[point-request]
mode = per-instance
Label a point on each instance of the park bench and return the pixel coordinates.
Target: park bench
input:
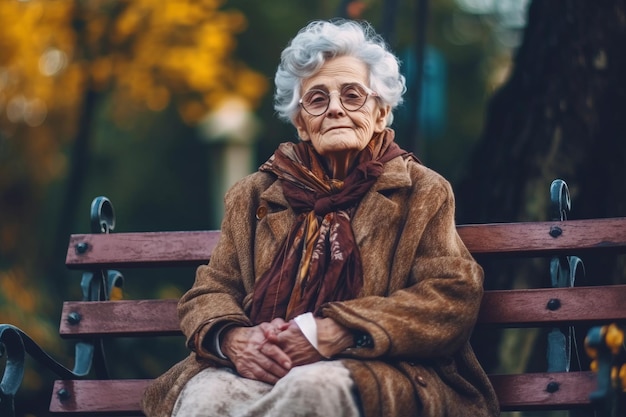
(600, 310)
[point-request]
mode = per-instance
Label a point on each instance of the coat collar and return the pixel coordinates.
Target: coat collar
(395, 175)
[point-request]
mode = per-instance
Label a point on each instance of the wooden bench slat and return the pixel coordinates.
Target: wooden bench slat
(121, 318)
(529, 391)
(515, 392)
(528, 308)
(141, 249)
(113, 397)
(513, 308)
(117, 250)
(533, 238)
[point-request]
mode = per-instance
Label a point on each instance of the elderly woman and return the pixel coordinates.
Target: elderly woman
(339, 286)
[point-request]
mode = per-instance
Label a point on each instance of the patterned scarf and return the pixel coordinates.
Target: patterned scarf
(319, 260)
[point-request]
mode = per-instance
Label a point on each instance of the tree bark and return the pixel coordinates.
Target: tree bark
(561, 114)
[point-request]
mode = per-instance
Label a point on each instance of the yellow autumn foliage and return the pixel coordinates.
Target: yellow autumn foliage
(149, 53)
(143, 55)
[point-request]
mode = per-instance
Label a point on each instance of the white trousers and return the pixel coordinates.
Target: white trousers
(322, 389)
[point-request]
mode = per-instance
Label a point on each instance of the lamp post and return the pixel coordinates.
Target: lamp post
(231, 130)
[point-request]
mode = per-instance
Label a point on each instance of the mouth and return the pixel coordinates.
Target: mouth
(336, 128)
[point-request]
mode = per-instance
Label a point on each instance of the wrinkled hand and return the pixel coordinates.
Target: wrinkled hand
(292, 341)
(253, 355)
(332, 338)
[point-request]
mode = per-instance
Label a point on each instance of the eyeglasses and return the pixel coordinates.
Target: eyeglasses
(351, 96)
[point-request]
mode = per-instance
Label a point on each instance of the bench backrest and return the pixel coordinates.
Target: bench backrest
(539, 307)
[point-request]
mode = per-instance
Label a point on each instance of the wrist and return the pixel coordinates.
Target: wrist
(212, 341)
(334, 338)
(225, 339)
(308, 326)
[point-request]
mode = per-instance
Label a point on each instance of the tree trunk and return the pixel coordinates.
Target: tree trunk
(561, 114)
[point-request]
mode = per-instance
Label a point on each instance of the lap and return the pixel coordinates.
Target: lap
(220, 391)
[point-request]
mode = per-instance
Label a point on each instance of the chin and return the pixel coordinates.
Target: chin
(330, 146)
(330, 150)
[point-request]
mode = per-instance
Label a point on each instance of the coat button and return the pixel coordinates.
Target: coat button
(261, 212)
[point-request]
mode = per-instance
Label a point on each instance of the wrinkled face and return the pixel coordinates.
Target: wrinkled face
(337, 131)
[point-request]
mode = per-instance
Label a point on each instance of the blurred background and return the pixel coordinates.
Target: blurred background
(162, 105)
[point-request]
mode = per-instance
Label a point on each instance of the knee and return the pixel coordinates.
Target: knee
(308, 378)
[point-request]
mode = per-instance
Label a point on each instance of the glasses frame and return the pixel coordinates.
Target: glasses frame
(368, 90)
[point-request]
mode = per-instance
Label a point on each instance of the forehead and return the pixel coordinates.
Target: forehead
(338, 71)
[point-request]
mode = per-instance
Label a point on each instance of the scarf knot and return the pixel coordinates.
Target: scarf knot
(353, 189)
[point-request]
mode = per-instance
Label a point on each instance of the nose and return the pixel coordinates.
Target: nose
(334, 105)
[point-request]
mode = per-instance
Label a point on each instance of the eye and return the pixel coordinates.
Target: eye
(352, 92)
(315, 97)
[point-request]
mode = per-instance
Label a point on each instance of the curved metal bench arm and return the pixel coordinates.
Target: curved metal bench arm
(15, 343)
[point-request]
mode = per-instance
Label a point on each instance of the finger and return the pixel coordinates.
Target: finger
(254, 364)
(253, 371)
(266, 327)
(270, 334)
(271, 329)
(264, 369)
(285, 326)
(278, 322)
(291, 334)
(276, 356)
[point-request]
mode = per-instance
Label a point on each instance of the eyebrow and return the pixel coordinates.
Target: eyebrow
(325, 88)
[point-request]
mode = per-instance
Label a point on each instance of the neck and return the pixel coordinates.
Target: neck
(340, 164)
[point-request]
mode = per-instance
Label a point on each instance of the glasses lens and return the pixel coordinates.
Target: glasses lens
(315, 102)
(353, 96)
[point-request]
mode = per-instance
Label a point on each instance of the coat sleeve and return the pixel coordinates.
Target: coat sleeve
(221, 287)
(434, 314)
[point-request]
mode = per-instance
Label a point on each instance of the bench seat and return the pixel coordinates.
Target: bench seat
(515, 392)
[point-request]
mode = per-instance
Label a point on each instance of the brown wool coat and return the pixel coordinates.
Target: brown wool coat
(419, 301)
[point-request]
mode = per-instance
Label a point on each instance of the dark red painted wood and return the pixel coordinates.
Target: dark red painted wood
(99, 398)
(511, 239)
(529, 391)
(511, 308)
(141, 249)
(578, 305)
(515, 392)
(533, 238)
(120, 318)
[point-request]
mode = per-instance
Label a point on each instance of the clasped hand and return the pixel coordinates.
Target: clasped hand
(268, 351)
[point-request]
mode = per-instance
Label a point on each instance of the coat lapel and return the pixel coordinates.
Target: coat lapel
(377, 200)
(279, 216)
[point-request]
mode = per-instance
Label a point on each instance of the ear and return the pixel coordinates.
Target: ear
(381, 118)
(301, 127)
